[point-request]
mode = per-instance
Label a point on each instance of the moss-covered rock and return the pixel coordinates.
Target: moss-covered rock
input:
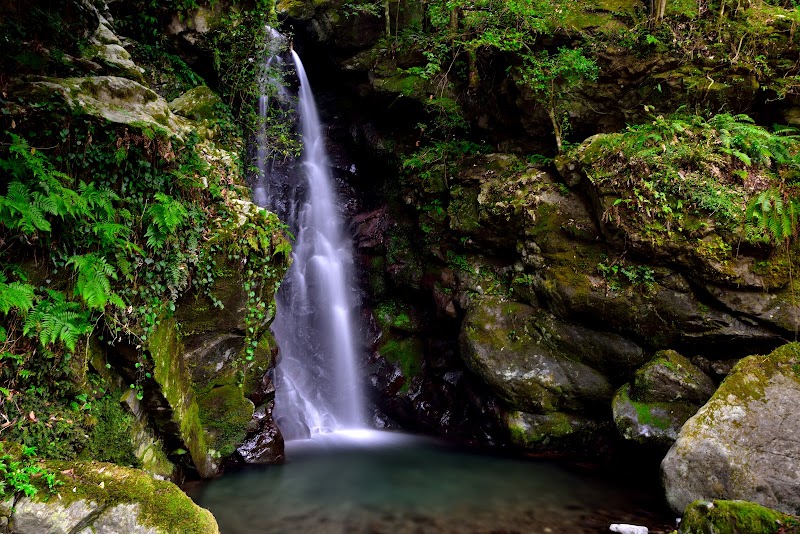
(742, 444)
(735, 517)
(670, 377)
(200, 104)
(108, 498)
(116, 99)
(500, 343)
(650, 423)
(558, 432)
(407, 354)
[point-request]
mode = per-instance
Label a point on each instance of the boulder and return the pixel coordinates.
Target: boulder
(265, 446)
(734, 517)
(500, 343)
(102, 497)
(651, 423)
(558, 431)
(670, 377)
(117, 99)
(744, 443)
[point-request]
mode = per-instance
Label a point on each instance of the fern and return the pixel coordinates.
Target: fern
(166, 215)
(15, 295)
(776, 214)
(94, 281)
(21, 210)
(57, 320)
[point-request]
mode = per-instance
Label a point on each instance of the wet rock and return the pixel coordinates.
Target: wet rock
(561, 432)
(670, 377)
(651, 423)
(743, 443)
(500, 343)
(265, 445)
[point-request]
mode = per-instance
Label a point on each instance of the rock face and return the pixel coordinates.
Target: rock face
(500, 343)
(100, 497)
(743, 443)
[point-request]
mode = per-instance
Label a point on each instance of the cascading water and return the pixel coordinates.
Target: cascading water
(316, 386)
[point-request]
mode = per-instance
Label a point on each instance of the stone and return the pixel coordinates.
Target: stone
(500, 344)
(199, 104)
(33, 517)
(649, 423)
(558, 432)
(116, 58)
(103, 498)
(744, 443)
(733, 517)
(624, 528)
(670, 377)
(266, 445)
(114, 98)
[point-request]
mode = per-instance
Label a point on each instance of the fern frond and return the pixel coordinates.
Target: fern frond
(94, 279)
(16, 295)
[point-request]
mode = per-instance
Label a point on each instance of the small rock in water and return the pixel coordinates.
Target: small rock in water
(627, 529)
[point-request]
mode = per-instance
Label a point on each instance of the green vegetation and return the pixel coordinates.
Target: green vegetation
(676, 170)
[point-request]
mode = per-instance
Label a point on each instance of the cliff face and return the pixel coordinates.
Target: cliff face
(525, 289)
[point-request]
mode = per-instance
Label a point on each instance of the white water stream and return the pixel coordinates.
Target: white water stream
(317, 390)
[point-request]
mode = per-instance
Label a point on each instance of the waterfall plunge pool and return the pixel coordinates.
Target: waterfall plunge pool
(382, 482)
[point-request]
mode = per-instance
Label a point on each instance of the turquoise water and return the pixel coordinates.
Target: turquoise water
(379, 482)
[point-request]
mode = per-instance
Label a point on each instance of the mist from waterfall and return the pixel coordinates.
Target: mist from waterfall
(317, 389)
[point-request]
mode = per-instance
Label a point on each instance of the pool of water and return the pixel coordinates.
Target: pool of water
(381, 482)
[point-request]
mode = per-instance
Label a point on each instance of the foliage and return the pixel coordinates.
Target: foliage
(551, 77)
(679, 169)
(19, 471)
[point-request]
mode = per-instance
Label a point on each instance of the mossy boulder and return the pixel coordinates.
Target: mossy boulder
(397, 316)
(743, 442)
(650, 423)
(558, 432)
(735, 517)
(116, 99)
(102, 497)
(670, 377)
(500, 343)
(200, 104)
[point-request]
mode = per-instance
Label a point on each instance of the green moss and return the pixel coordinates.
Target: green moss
(110, 438)
(407, 354)
(644, 411)
(734, 517)
(163, 505)
(396, 315)
(224, 414)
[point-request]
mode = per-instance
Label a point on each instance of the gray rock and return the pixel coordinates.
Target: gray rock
(265, 446)
(670, 377)
(745, 442)
(649, 423)
(558, 431)
(114, 98)
(121, 519)
(500, 343)
(771, 308)
(32, 517)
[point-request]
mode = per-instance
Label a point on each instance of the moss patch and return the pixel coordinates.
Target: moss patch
(735, 517)
(163, 505)
(224, 414)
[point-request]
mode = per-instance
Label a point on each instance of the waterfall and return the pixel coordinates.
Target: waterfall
(317, 390)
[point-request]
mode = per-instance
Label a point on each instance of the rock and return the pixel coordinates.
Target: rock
(33, 517)
(200, 104)
(106, 498)
(116, 99)
(733, 517)
(649, 422)
(500, 343)
(623, 528)
(558, 432)
(670, 377)
(266, 445)
(115, 58)
(776, 308)
(744, 443)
